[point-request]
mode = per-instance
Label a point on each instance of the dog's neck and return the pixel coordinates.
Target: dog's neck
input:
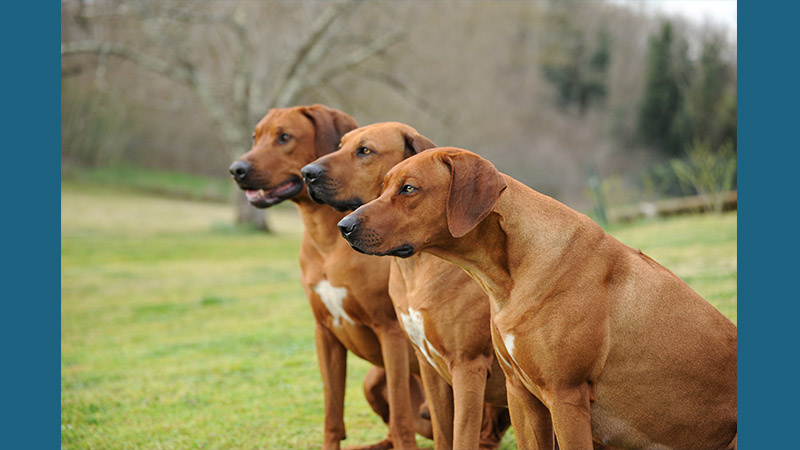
(414, 269)
(481, 253)
(526, 233)
(320, 223)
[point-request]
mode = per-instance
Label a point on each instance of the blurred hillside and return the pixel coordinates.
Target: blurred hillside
(585, 101)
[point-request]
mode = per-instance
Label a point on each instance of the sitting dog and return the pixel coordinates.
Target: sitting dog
(597, 341)
(348, 291)
(443, 311)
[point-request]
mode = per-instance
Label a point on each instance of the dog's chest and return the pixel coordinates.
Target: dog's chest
(333, 299)
(413, 323)
(507, 351)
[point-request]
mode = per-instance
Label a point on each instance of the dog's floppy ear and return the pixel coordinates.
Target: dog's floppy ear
(416, 143)
(475, 186)
(330, 125)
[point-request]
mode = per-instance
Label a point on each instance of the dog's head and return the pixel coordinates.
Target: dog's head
(427, 201)
(284, 141)
(352, 175)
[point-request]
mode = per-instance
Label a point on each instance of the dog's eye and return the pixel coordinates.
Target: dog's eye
(284, 138)
(363, 151)
(407, 189)
(339, 147)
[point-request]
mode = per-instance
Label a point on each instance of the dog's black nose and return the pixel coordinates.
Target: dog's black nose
(348, 225)
(239, 170)
(311, 173)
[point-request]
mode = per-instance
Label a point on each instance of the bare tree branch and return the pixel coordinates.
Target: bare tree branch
(240, 84)
(176, 73)
(180, 73)
(407, 94)
(359, 56)
(242, 69)
(309, 54)
(229, 99)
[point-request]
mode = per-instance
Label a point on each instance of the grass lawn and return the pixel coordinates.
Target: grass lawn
(179, 331)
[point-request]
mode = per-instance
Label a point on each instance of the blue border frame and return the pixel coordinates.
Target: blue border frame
(31, 232)
(768, 113)
(767, 237)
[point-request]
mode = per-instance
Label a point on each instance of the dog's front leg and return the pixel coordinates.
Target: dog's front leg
(571, 411)
(440, 402)
(469, 385)
(530, 418)
(332, 356)
(394, 348)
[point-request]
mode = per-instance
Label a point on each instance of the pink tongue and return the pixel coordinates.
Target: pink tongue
(252, 195)
(283, 188)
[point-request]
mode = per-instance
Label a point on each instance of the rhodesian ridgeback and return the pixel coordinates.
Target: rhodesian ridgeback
(443, 311)
(597, 341)
(348, 291)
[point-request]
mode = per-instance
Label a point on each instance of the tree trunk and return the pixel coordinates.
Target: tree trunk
(230, 108)
(246, 214)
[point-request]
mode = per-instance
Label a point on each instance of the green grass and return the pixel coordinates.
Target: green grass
(173, 184)
(179, 331)
(700, 249)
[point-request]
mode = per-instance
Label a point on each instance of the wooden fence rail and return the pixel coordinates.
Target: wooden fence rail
(669, 207)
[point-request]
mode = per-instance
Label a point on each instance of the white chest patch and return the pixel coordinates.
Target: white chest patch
(509, 344)
(415, 329)
(332, 297)
(508, 341)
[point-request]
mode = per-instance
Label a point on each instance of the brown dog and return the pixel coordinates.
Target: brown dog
(596, 339)
(348, 292)
(442, 310)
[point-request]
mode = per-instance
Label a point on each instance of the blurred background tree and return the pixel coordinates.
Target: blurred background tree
(575, 64)
(688, 112)
(543, 89)
(210, 48)
(662, 107)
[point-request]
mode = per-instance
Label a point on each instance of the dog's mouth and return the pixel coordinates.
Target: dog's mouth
(355, 247)
(316, 197)
(368, 241)
(264, 198)
(348, 205)
(404, 251)
(322, 195)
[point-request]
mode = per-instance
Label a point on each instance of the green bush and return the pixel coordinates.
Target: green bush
(707, 173)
